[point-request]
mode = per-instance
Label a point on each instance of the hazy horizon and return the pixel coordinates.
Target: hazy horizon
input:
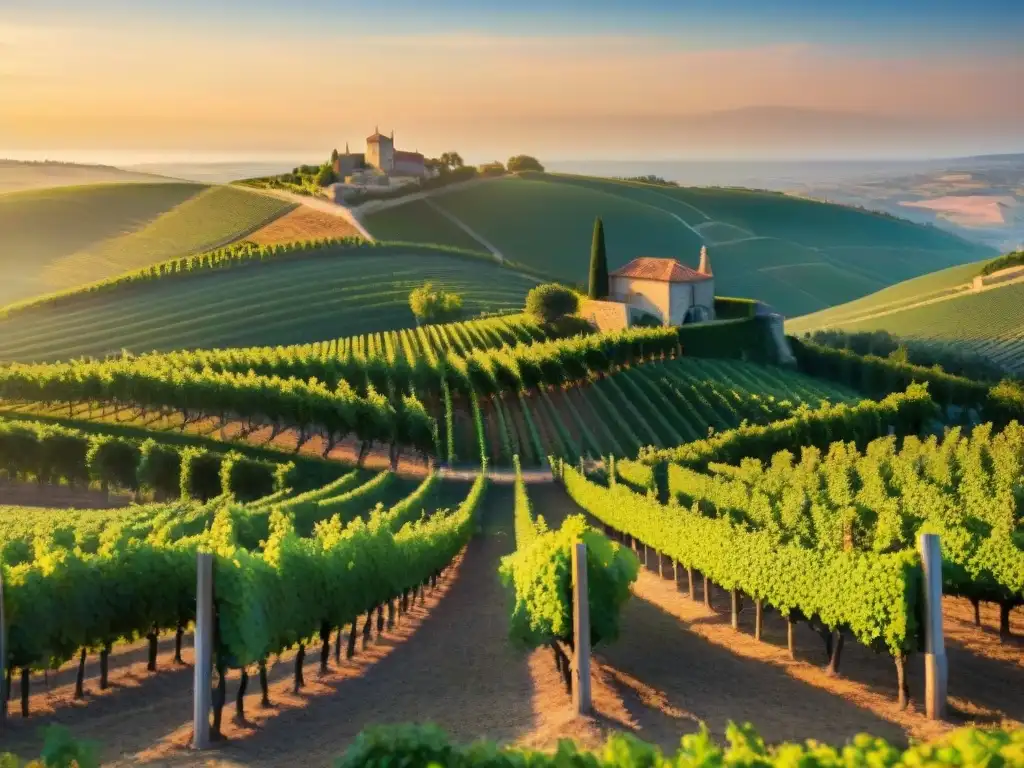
(560, 79)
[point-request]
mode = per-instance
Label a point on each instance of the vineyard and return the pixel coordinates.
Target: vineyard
(300, 300)
(52, 224)
(797, 255)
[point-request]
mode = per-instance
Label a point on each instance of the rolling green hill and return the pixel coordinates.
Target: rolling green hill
(797, 255)
(66, 236)
(938, 308)
(327, 294)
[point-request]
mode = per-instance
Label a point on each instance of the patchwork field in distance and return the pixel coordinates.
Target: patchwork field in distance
(264, 304)
(798, 255)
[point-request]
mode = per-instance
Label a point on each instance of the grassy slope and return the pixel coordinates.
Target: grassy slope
(262, 304)
(798, 255)
(216, 216)
(989, 323)
(41, 227)
(917, 289)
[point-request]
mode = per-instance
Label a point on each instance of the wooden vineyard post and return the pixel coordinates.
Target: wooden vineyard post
(3, 656)
(580, 631)
(936, 668)
(204, 652)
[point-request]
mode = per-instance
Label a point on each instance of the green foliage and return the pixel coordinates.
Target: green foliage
(551, 302)
(148, 383)
(540, 572)
(247, 479)
(907, 412)
(160, 468)
(872, 596)
(296, 586)
(728, 308)
(1012, 259)
(428, 745)
(432, 305)
(114, 462)
(200, 474)
(880, 499)
(958, 362)
(518, 163)
(598, 264)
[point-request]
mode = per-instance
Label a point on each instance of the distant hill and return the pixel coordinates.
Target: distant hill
(939, 308)
(18, 175)
(326, 293)
(61, 237)
(797, 255)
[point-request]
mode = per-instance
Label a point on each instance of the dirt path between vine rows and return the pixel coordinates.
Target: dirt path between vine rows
(677, 663)
(450, 663)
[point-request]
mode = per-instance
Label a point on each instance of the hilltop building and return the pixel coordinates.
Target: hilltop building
(381, 155)
(670, 292)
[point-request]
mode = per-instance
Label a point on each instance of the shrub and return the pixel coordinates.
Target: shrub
(492, 169)
(200, 474)
(551, 302)
(62, 455)
(113, 462)
(433, 305)
(524, 163)
(160, 469)
(246, 479)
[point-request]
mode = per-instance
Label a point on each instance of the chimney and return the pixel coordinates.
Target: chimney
(705, 263)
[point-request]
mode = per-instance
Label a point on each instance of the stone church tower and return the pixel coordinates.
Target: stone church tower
(380, 151)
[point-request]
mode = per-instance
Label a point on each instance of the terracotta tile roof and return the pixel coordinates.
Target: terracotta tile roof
(376, 137)
(667, 270)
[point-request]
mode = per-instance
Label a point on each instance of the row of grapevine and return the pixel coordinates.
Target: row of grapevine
(85, 589)
(875, 376)
(964, 488)
(49, 453)
(406, 345)
(540, 574)
(428, 745)
(872, 597)
(299, 589)
(906, 412)
(194, 395)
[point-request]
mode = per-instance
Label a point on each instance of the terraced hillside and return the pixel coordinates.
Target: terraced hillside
(941, 309)
(329, 293)
(658, 403)
(798, 255)
(43, 226)
(63, 237)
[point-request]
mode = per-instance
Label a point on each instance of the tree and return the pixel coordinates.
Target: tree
(550, 302)
(524, 163)
(325, 176)
(433, 305)
(334, 156)
(451, 160)
(598, 263)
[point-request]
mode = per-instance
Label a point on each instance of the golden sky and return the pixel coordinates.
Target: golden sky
(129, 87)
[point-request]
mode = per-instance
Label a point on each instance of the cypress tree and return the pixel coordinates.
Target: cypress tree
(598, 264)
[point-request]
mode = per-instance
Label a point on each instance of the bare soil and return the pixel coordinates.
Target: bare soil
(59, 496)
(303, 223)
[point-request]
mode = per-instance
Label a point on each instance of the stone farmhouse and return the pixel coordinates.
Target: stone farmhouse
(663, 289)
(382, 156)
